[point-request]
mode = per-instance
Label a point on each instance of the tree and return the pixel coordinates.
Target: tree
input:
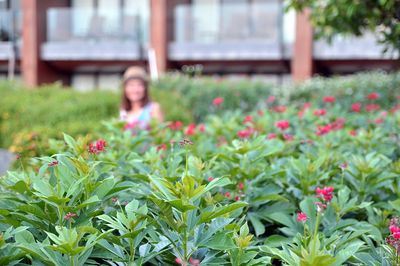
(355, 17)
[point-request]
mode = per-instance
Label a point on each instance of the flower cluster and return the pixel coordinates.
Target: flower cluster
(185, 142)
(69, 215)
(282, 124)
(218, 101)
(336, 125)
(394, 238)
(53, 163)
(192, 262)
(175, 125)
(97, 147)
(245, 133)
(326, 193)
(320, 112)
(329, 99)
(302, 217)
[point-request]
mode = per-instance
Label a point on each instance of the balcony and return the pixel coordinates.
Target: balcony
(229, 31)
(365, 47)
(10, 33)
(83, 34)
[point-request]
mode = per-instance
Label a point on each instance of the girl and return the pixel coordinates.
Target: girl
(136, 108)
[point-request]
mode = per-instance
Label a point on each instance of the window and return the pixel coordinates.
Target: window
(126, 19)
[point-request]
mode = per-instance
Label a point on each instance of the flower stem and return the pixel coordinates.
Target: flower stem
(315, 235)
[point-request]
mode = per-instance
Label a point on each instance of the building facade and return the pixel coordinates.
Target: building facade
(89, 43)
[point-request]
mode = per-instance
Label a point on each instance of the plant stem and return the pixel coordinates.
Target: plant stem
(315, 235)
(132, 257)
(185, 237)
(187, 163)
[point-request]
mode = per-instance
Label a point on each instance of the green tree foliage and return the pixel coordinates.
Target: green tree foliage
(355, 17)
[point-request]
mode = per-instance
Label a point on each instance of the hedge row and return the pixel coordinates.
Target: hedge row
(28, 118)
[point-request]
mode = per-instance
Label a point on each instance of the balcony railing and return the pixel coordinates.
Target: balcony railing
(74, 33)
(228, 30)
(10, 33)
(351, 47)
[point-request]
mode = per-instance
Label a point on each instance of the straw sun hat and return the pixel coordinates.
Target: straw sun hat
(135, 72)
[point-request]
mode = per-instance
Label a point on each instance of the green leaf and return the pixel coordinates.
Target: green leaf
(218, 182)
(221, 211)
(181, 206)
(220, 241)
(258, 226)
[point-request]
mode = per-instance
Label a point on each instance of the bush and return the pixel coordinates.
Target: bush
(280, 187)
(199, 93)
(37, 115)
(29, 117)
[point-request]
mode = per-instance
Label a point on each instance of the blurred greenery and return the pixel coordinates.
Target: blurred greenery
(332, 17)
(28, 118)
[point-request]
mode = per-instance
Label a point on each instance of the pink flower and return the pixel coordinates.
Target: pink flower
(175, 125)
(237, 198)
(97, 147)
(322, 130)
(329, 99)
(379, 121)
(271, 99)
(320, 112)
(101, 144)
(194, 262)
(271, 136)
(202, 128)
(218, 101)
(69, 215)
(288, 137)
(343, 165)
(245, 133)
(394, 229)
(395, 108)
(279, 109)
(301, 217)
(306, 105)
(248, 119)
(210, 178)
(353, 132)
(227, 194)
(396, 235)
(282, 124)
(325, 193)
(356, 107)
(178, 261)
(373, 96)
(260, 113)
(190, 130)
(241, 186)
(372, 107)
(53, 163)
(162, 147)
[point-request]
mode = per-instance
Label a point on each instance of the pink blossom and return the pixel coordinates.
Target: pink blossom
(320, 112)
(282, 124)
(301, 217)
(329, 99)
(218, 101)
(356, 107)
(325, 193)
(373, 96)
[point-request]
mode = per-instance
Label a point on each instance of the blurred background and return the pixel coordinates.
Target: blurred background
(87, 44)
